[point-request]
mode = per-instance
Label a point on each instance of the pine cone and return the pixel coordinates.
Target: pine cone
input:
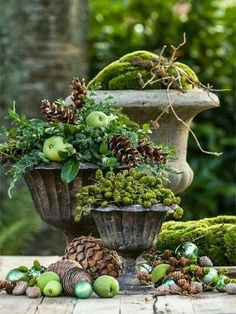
(230, 288)
(198, 272)
(20, 288)
(205, 261)
(70, 273)
(175, 289)
(33, 292)
(195, 287)
(122, 149)
(167, 254)
(162, 290)
(147, 150)
(78, 92)
(8, 286)
(184, 284)
(144, 277)
(177, 275)
(56, 112)
(94, 257)
(183, 261)
(173, 261)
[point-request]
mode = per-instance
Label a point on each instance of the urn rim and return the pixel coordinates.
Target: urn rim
(135, 208)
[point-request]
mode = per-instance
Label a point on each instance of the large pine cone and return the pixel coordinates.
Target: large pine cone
(94, 257)
(57, 113)
(70, 273)
(124, 152)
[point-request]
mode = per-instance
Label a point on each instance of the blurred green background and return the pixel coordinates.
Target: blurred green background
(44, 44)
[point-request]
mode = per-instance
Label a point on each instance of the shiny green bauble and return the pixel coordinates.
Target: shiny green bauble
(15, 274)
(33, 272)
(83, 290)
(208, 278)
(168, 281)
(188, 250)
(220, 285)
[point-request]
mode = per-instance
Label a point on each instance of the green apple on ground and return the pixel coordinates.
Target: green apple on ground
(97, 119)
(106, 286)
(159, 271)
(83, 289)
(52, 289)
(55, 145)
(45, 278)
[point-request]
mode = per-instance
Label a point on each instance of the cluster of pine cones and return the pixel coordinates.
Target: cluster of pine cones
(121, 147)
(178, 271)
(65, 112)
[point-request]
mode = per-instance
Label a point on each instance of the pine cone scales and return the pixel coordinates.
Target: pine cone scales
(149, 152)
(78, 92)
(94, 257)
(57, 113)
(121, 148)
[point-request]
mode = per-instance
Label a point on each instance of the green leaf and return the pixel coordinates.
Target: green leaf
(43, 157)
(104, 148)
(71, 128)
(70, 170)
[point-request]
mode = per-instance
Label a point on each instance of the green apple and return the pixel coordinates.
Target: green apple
(45, 278)
(52, 289)
(55, 145)
(106, 286)
(97, 119)
(159, 271)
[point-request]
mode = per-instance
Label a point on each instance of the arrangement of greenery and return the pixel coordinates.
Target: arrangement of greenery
(126, 187)
(215, 237)
(76, 130)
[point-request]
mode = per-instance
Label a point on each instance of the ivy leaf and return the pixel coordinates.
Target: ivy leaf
(146, 128)
(71, 128)
(70, 170)
(104, 148)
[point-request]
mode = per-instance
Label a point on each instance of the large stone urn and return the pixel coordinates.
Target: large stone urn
(55, 201)
(145, 105)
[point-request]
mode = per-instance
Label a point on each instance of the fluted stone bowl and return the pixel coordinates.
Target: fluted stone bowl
(55, 201)
(129, 230)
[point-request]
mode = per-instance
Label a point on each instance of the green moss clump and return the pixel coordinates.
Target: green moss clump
(125, 74)
(215, 237)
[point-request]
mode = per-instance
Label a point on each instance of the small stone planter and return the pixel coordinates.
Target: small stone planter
(130, 231)
(145, 105)
(55, 201)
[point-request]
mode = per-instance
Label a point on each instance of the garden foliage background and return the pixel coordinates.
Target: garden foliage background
(44, 44)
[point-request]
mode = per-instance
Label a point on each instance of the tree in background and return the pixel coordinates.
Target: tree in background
(123, 26)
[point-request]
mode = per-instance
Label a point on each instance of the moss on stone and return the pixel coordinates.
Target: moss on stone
(122, 74)
(216, 237)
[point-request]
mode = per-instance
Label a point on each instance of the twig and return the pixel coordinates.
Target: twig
(194, 136)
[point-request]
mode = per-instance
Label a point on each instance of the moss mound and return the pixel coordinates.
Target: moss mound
(215, 237)
(125, 73)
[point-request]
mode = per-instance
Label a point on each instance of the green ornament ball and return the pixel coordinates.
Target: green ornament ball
(208, 278)
(188, 250)
(83, 290)
(33, 272)
(220, 285)
(15, 274)
(168, 281)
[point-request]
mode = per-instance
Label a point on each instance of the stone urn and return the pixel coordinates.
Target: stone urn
(130, 230)
(145, 105)
(55, 201)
